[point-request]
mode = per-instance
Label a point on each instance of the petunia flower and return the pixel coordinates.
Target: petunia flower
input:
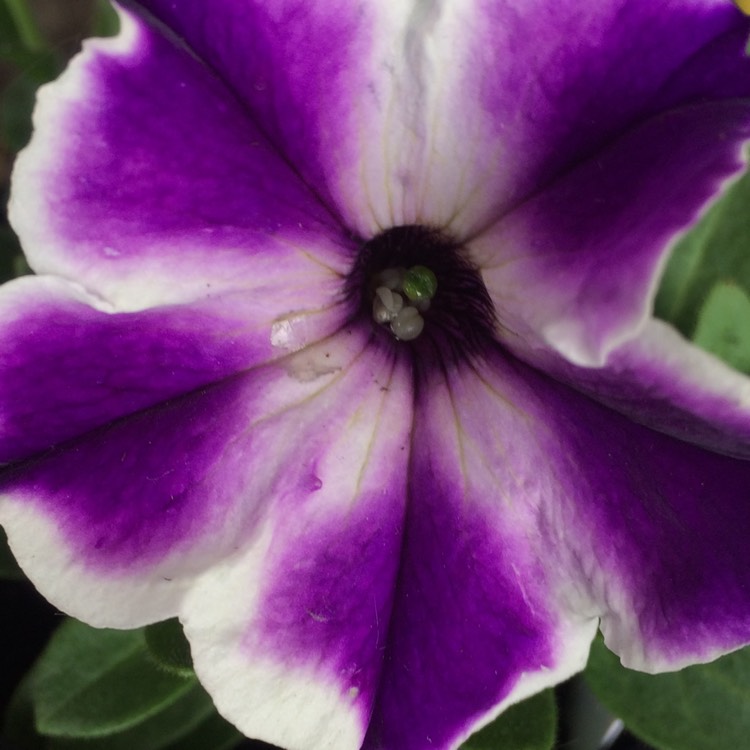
(341, 350)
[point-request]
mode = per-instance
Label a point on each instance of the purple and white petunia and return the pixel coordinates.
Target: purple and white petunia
(341, 350)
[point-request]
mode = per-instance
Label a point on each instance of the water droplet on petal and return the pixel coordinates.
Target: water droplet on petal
(290, 331)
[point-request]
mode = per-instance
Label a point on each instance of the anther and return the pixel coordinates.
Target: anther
(401, 295)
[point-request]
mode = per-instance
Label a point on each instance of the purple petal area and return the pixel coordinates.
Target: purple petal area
(432, 138)
(645, 530)
(287, 60)
(571, 79)
(289, 636)
(332, 591)
(580, 281)
(462, 632)
(661, 380)
(148, 182)
(171, 490)
(532, 511)
(113, 528)
(130, 492)
(67, 367)
(335, 85)
(667, 526)
(672, 537)
(477, 621)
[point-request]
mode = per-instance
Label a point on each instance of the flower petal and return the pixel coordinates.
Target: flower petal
(399, 120)
(603, 132)
(567, 80)
(114, 527)
(660, 535)
(68, 364)
(576, 268)
(343, 88)
(621, 521)
(147, 182)
(534, 511)
(288, 635)
(665, 382)
(661, 380)
(479, 621)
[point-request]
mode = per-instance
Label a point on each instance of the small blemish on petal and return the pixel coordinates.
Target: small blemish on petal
(310, 365)
(290, 331)
(314, 483)
(315, 361)
(317, 617)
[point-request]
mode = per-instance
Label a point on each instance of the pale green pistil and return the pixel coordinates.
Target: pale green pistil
(401, 296)
(419, 283)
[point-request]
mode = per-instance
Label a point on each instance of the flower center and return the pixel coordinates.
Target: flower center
(401, 295)
(416, 284)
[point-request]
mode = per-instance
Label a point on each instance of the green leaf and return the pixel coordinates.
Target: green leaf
(714, 251)
(214, 733)
(171, 727)
(168, 646)
(18, 720)
(724, 325)
(15, 119)
(189, 722)
(18, 103)
(530, 725)
(9, 569)
(24, 24)
(705, 706)
(20, 266)
(106, 22)
(92, 683)
(10, 254)
(28, 64)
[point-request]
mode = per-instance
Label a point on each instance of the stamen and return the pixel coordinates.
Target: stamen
(408, 324)
(418, 284)
(386, 305)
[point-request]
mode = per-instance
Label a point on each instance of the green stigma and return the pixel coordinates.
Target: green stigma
(419, 284)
